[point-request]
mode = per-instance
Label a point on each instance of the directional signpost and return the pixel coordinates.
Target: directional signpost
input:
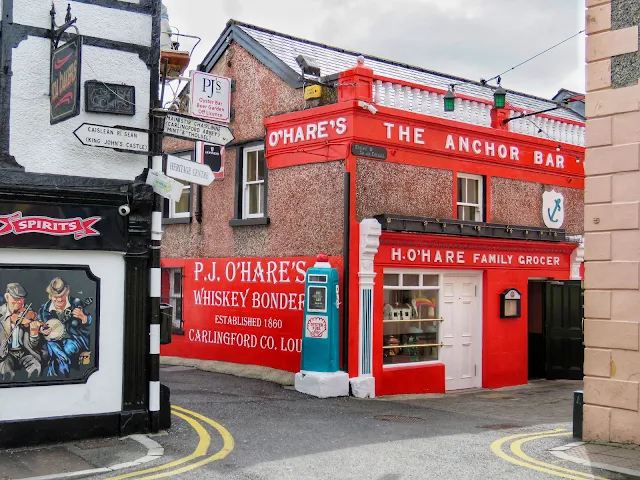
(189, 171)
(192, 128)
(128, 139)
(164, 186)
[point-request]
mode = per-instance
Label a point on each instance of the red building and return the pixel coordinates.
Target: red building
(447, 227)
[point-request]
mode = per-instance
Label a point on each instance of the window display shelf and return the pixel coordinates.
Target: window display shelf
(414, 345)
(415, 320)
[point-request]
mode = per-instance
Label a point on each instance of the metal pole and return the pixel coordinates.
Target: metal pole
(155, 277)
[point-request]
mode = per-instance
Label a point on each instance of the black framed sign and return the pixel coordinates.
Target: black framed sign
(370, 151)
(70, 227)
(49, 324)
(103, 97)
(65, 81)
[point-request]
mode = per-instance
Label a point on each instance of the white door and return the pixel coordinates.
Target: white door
(460, 331)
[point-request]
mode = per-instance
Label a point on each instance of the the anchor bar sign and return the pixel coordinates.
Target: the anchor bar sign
(191, 128)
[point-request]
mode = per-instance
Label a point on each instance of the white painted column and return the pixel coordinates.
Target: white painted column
(364, 384)
(577, 257)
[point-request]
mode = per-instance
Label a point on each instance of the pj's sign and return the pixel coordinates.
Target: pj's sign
(65, 81)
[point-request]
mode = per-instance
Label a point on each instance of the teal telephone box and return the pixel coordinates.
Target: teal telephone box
(321, 335)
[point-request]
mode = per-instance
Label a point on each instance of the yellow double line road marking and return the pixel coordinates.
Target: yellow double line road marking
(204, 441)
(526, 461)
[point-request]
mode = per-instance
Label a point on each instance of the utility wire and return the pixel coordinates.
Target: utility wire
(537, 55)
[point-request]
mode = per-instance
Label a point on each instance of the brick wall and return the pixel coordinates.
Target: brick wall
(612, 238)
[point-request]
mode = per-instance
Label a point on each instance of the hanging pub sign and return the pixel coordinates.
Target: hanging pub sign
(212, 155)
(103, 97)
(48, 324)
(65, 81)
(71, 227)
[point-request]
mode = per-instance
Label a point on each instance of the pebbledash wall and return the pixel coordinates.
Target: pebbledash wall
(48, 172)
(612, 256)
(316, 188)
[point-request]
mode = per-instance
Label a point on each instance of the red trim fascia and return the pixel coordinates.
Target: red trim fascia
(172, 262)
(392, 113)
(477, 241)
(284, 119)
(487, 198)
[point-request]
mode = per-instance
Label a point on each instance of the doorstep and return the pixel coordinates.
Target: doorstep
(616, 457)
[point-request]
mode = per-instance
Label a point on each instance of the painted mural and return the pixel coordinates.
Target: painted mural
(48, 325)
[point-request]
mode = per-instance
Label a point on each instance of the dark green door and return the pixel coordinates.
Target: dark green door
(563, 327)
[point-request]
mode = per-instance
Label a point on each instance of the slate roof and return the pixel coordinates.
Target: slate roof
(278, 51)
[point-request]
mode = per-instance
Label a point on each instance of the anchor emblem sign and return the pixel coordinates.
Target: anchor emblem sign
(553, 209)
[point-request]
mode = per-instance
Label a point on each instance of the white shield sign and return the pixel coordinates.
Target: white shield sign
(553, 209)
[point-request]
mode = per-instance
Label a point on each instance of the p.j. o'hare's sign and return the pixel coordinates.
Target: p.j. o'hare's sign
(244, 310)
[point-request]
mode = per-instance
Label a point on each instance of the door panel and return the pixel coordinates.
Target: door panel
(461, 314)
(564, 337)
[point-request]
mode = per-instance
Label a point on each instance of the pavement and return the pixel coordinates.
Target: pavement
(230, 427)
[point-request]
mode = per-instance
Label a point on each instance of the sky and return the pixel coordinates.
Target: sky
(472, 39)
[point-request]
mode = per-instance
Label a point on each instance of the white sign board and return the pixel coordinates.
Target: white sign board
(164, 186)
(210, 96)
(110, 137)
(189, 171)
(191, 128)
(553, 209)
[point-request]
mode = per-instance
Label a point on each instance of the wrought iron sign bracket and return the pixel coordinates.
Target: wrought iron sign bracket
(57, 32)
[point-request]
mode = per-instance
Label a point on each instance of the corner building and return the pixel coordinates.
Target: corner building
(450, 278)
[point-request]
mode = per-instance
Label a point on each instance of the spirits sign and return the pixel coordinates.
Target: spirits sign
(65, 81)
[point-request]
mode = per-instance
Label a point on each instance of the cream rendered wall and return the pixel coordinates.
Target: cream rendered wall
(612, 221)
(103, 391)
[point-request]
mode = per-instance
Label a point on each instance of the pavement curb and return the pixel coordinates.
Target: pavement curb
(257, 372)
(560, 453)
(154, 452)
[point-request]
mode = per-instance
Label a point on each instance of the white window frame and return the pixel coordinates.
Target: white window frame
(246, 184)
(172, 205)
(479, 212)
(411, 271)
(173, 297)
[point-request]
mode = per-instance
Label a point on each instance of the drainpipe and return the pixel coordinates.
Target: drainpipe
(345, 273)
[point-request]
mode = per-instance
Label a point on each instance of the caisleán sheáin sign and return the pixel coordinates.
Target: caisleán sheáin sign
(65, 81)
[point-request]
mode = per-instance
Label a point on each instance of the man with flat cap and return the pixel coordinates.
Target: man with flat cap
(20, 341)
(68, 328)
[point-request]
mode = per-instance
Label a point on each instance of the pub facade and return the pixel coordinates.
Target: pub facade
(457, 231)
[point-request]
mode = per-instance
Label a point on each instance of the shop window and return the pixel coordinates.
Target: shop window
(470, 197)
(410, 318)
(182, 210)
(251, 187)
(172, 295)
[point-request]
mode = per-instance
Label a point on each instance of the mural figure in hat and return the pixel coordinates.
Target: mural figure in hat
(67, 330)
(21, 340)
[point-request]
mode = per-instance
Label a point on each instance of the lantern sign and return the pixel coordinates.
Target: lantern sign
(65, 81)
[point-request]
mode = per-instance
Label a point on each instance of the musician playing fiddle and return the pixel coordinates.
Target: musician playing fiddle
(20, 336)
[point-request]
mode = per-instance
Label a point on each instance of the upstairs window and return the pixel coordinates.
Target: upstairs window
(470, 197)
(253, 182)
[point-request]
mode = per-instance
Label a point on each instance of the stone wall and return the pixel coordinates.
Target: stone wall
(612, 206)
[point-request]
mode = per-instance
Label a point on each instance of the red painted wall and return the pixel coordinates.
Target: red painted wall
(504, 341)
(243, 310)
